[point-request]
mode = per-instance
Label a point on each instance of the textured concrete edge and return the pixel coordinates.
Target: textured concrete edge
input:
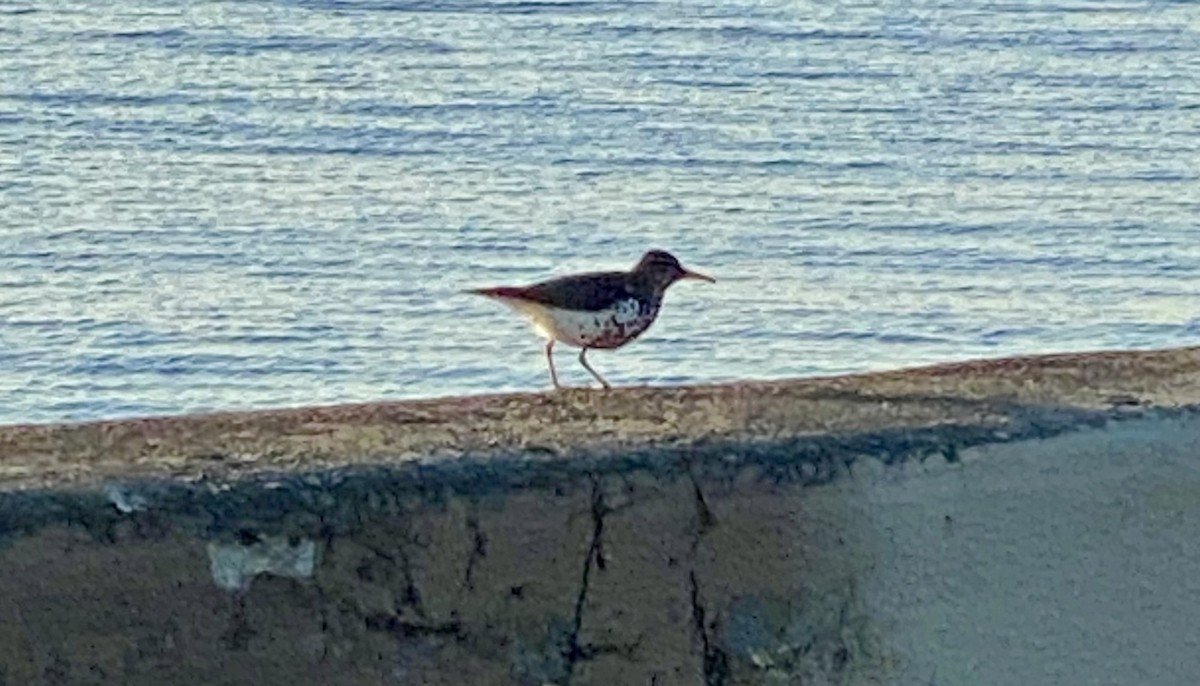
(571, 424)
(333, 501)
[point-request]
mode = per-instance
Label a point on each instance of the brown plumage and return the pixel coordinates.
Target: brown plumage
(598, 309)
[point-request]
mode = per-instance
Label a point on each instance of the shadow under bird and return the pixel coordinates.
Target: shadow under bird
(597, 310)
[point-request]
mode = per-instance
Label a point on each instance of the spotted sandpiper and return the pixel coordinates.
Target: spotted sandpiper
(603, 310)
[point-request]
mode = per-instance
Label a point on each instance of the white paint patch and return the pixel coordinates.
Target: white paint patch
(234, 565)
(583, 329)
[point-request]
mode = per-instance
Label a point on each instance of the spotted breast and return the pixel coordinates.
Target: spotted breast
(610, 327)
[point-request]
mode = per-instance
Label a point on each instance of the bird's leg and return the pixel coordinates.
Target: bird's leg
(550, 360)
(584, 362)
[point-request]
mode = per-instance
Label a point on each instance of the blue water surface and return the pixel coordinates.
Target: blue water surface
(223, 205)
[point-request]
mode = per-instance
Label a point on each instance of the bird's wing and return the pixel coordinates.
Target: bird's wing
(593, 291)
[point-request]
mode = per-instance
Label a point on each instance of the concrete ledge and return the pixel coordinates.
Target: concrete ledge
(1009, 521)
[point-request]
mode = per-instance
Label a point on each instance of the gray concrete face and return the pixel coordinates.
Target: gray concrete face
(1069, 560)
(1011, 522)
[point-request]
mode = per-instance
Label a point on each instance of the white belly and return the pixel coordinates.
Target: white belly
(607, 329)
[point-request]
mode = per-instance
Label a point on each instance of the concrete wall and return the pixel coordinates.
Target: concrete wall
(1024, 521)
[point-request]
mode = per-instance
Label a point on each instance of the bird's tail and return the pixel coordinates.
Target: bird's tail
(496, 292)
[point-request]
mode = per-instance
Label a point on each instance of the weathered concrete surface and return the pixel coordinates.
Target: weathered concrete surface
(1014, 521)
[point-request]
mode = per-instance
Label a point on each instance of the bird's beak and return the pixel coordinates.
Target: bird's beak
(689, 274)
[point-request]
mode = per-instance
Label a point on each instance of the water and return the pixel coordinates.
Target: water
(223, 205)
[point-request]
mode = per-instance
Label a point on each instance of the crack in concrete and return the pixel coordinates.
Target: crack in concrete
(412, 594)
(715, 660)
(707, 519)
(573, 652)
(238, 631)
(478, 551)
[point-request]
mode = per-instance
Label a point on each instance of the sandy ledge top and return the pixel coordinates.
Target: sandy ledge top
(228, 445)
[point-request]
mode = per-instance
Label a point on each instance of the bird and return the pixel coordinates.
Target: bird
(595, 310)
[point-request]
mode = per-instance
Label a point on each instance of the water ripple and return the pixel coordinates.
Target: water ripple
(254, 204)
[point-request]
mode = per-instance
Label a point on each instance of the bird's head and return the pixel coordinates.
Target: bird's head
(660, 269)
